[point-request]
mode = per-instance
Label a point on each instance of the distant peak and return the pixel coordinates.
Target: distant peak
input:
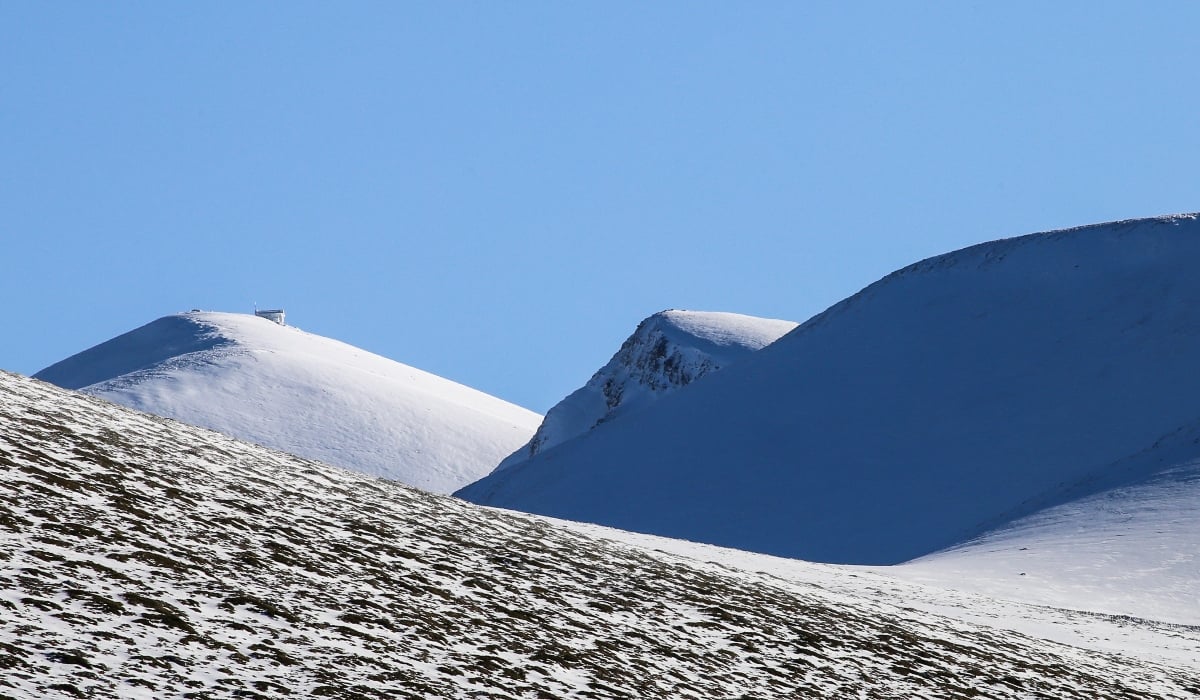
(667, 351)
(720, 328)
(252, 377)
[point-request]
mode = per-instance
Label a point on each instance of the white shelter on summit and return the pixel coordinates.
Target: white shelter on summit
(275, 315)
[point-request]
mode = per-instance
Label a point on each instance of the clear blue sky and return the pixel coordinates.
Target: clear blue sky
(498, 192)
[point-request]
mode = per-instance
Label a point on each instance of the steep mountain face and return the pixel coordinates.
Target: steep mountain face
(312, 396)
(144, 558)
(938, 403)
(667, 351)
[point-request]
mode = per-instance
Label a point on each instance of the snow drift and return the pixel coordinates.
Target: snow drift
(945, 400)
(316, 397)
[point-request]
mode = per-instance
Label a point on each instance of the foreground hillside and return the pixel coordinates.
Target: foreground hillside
(145, 558)
(298, 392)
(667, 351)
(960, 393)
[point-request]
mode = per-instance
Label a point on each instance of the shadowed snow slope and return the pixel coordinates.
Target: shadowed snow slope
(668, 350)
(933, 405)
(144, 558)
(281, 387)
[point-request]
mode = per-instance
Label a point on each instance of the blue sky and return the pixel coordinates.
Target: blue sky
(499, 192)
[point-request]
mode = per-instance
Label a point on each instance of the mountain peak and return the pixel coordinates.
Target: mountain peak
(720, 329)
(667, 351)
(279, 386)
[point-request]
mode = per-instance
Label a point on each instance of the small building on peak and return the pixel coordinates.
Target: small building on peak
(275, 315)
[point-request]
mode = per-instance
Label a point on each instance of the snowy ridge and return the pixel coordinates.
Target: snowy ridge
(316, 397)
(935, 405)
(144, 558)
(667, 351)
(981, 255)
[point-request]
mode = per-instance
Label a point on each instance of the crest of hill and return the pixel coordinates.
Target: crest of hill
(932, 406)
(145, 558)
(316, 397)
(666, 352)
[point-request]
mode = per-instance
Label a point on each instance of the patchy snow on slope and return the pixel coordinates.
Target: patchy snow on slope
(913, 416)
(1080, 619)
(666, 352)
(316, 397)
(145, 558)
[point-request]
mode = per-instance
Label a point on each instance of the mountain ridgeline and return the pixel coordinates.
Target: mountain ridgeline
(955, 395)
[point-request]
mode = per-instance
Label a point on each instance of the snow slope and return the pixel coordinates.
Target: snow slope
(1125, 542)
(144, 558)
(935, 405)
(316, 397)
(667, 351)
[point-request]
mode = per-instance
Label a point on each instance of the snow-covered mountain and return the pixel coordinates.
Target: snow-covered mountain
(952, 397)
(145, 558)
(312, 396)
(668, 350)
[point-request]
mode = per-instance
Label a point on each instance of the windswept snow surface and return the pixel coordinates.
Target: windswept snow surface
(144, 558)
(667, 351)
(953, 396)
(312, 396)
